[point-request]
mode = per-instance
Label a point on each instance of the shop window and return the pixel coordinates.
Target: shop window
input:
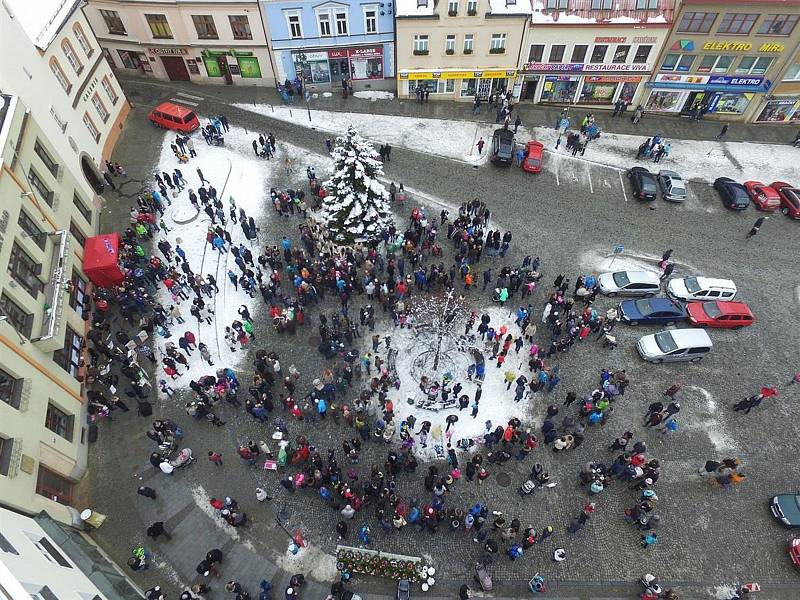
(324, 24)
(370, 20)
(536, 53)
(642, 54)
(434, 86)
(778, 24)
(452, 8)
(468, 40)
(560, 89)
(420, 44)
(40, 187)
(44, 155)
(450, 44)
(83, 41)
(31, 229)
(468, 87)
(556, 4)
(93, 130)
(240, 27)
(497, 45)
(599, 53)
(77, 292)
(113, 22)
(205, 27)
(60, 75)
(71, 56)
(68, 357)
(753, 65)
(295, 28)
(100, 108)
(472, 8)
(737, 23)
(732, 104)
(10, 389)
(82, 208)
(696, 22)
(53, 486)
(341, 23)
(129, 59)
(602, 4)
(159, 27)
(621, 54)
(557, 53)
(792, 73)
(21, 320)
(110, 92)
(646, 4)
(664, 100)
(579, 53)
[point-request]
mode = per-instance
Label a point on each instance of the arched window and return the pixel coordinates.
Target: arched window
(72, 56)
(83, 41)
(59, 73)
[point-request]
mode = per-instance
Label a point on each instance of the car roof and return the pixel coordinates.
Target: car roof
(709, 282)
(640, 276)
(780, 184)
(535, 144)
(503, 133)
(733, 308)
(173, 109)
(662, 303)
(670, 174)
(641, 170)
(690, 337)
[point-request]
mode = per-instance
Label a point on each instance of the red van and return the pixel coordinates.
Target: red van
(174, 116)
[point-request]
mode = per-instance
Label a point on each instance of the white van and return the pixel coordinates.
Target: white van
(674, 345)
(702, 288)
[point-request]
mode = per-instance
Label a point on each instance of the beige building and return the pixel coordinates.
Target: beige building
(205, 41)
(456, 49)
(782, 103)
(725, 60)
(61, 113)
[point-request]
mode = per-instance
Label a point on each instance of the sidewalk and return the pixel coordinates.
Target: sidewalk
(137, 89)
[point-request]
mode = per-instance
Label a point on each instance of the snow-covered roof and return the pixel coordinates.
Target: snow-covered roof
(42, 19)
(537, 16)
(414, 8)
(503, 7)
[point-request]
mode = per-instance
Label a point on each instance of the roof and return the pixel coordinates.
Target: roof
(510, 7)
(411, 8)
(689, 337)
(42, 19)
(707, 282)
(7, 106)
(640, 276)
(176, 110)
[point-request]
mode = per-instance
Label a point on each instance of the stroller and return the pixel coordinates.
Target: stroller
(527, 488)
(609, 341)
(183, 459)
(537, 585)
(217, 139)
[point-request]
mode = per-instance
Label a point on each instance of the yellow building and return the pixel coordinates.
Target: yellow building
(459, 48)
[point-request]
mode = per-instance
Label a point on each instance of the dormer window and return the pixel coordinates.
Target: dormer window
(511, 2)
(421, 3)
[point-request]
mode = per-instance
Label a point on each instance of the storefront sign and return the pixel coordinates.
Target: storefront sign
(168, 51)
(771, 47)
(338, 53)
(645, 40)
(687, 79)
(366, 52)
(419, 75)
(736, 81)
(721, 83)
(612, 79)
(735, 46)
(588, 67)
(610, 40)
(623, 68)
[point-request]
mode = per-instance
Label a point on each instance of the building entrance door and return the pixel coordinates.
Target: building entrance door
(484, 88)
(175, 68)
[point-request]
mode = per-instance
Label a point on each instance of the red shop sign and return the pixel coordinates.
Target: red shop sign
(337, 53)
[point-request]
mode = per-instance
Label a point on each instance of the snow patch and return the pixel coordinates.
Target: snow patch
(595, 261)
(42, 19)
(170, 574)
(412, 8)
(374, 95)
(504, 7)
(203, 501)
(723, 592)
(311, 561)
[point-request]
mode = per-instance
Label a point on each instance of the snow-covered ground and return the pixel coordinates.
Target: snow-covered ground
(374, 95)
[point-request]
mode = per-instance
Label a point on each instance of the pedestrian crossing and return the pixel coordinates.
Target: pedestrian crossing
(185, 95)
(187, 99)
(183, 101)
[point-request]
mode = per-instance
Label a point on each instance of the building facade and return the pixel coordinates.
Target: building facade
(61, 113)
(202, 41)
(323, 43)
(782, 103)
(725, 59)
(459, 48)
(591, 52)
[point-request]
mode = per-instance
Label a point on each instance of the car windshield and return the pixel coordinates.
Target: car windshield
(189, 117)
(678, 187)
(621, 279)
(792, 197)
(665, 342)
(691, 285)
(739, 194)
(644, 307)
(648, 184)
(711, 309)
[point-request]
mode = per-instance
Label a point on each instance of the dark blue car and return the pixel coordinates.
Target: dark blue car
(655, 311)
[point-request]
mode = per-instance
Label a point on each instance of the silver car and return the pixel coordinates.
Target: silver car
(629, 283)
(672, 186)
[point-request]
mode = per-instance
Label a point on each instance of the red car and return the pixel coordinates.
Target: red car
(794, 552)
(174, 116)
(763, 196)
(726, 315)
(533, 157)
(790, 198)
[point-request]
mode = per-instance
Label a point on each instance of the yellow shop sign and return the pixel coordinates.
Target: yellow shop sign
(736, 46)
(493, 74)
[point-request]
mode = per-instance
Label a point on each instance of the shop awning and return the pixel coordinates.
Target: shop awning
(100, 260)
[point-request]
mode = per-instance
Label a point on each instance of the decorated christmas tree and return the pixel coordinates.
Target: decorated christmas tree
(357, 205)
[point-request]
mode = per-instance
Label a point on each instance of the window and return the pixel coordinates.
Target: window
(370, 20)
(59, 73)
(670, 61)
(159, 27)
(83, 41)
(642, 54)
(646, 4)
(468, 43)
(714, 64)
(71, 56)
(498, 43)
(450, 44)
(82, 208)
(621, 54)
(536, 53)
(31, 229)
(341, 23)
(599, 53)
(557, 53)
(204, 24)
(51, 553)
(110, 92)
(778, 24)
(59, 422)
(17, 317)
(579, 53)
(452, 7)
(37, 184)
(723, 64)
(685, 62)
(240, 27)
(113, 22)
(77, 292)
(87, 120)
(295, 29)
(5, 545)
(10, 389)
(472, 8)
(100, 107)
(77, 234)
(696, 22)
(753, 65)
(792, 73)
(601, 4)
(556, 4)
(737, 23)
(45, 594)
(324, 22)
(24, 270)
(51, 165)
(68, 357)
(420, 44)
(677, 62)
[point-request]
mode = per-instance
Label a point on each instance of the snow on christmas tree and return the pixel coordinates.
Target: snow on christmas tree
(357, 205)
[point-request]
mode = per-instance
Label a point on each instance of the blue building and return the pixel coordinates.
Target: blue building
(326, 42)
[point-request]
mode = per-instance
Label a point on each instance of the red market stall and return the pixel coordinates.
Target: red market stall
(100, 260)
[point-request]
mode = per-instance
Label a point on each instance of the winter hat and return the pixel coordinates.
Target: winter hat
(560, 555)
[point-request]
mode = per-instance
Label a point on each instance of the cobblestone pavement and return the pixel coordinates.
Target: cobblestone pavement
(710, 536)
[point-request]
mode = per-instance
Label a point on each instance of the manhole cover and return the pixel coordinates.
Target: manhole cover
(314, 341)
(503, 479)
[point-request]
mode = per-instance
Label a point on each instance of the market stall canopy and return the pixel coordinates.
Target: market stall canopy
(100, 260)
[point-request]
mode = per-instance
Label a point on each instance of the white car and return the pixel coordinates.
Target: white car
(702, 288)
(629, 283)
(674, 345)
(672, 186)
